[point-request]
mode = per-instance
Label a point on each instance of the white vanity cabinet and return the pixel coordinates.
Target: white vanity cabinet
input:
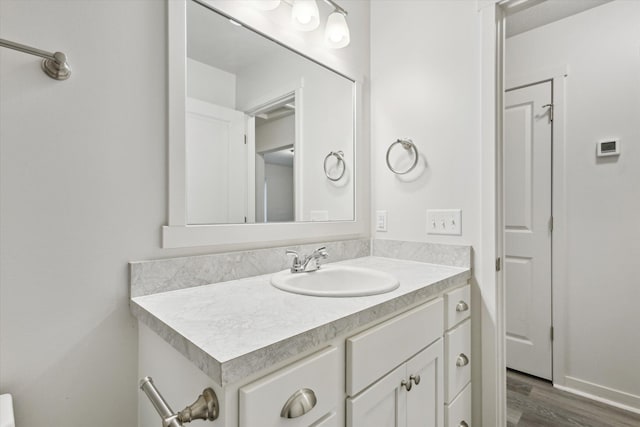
(404, 371)
(410, 395)
(457, 356)
(395, 371)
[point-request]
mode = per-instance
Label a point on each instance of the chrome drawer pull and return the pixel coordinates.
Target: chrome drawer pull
(463, 360)
(463, 424)
(462, 306)
(301, 402)
(415, 379)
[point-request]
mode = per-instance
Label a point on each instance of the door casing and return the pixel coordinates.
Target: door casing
(492, 14)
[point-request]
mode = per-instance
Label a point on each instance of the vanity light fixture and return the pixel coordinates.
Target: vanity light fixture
(305, 15)
(336, 33)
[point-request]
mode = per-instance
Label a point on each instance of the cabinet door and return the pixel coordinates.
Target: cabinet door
(381, 405)
(425, 406)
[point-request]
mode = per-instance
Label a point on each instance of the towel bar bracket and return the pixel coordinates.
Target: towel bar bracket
(54, 65)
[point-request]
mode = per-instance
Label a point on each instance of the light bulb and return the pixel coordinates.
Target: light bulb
(305, 15)
(266, 4)
(336, 33)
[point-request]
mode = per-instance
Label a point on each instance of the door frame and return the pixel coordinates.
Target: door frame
(491, 17)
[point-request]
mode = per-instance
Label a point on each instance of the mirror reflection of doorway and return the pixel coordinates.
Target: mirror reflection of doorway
(276, 192)
(274, 160)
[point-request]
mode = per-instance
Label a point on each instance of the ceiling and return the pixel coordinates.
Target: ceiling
(212, 39)
(546, 12)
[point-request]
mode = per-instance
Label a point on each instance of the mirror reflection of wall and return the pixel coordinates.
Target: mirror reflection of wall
(244, 122)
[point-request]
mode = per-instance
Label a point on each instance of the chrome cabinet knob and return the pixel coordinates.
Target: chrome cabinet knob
(407, 384)
(462, 306)
(300, 402)
(415, 379)
(462, 360)
(463, 424)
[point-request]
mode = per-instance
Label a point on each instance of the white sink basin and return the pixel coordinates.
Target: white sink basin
(336, 281)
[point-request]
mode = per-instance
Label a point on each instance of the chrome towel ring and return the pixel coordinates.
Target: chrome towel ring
(407, 144)
(340, 156)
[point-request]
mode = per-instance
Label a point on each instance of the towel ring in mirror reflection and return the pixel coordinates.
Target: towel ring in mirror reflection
(407, 144)
(340, 156)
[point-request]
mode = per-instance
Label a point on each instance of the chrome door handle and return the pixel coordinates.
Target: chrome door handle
(462, 360)
(462, 306)
(406, 384)
(300, 402)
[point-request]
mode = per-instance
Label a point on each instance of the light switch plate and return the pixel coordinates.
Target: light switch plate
(444, 221)
(381, 220)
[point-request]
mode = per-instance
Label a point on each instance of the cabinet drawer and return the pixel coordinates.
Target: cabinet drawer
(458, 413)
(458, 306)
(261, 402)
(330, 420)
(376, 351)
(457, 359)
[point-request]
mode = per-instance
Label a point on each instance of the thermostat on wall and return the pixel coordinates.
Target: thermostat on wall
(608, 147)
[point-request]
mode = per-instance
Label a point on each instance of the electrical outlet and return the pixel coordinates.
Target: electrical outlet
(444, 221)
(381, 220)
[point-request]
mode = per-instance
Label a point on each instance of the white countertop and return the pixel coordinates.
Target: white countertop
(233, 329)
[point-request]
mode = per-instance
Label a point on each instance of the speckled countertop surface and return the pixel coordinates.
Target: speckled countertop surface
(233, 329)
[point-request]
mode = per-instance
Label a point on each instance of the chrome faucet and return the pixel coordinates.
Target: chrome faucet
(309, 262)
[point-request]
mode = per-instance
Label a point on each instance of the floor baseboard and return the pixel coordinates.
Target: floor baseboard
(619, 399)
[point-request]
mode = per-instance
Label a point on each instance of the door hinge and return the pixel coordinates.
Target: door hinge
(550, 111)
(245, 139)
(551, 223)
(498, 264)
(551, 333)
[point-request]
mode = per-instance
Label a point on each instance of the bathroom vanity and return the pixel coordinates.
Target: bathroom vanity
(397, 358)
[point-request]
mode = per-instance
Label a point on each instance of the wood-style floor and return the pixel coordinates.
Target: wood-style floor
(532, 402)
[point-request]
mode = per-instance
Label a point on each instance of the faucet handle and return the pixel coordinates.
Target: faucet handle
(322, 251)
(295, 265)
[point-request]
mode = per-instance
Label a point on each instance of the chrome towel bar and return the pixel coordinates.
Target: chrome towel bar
(54, 64)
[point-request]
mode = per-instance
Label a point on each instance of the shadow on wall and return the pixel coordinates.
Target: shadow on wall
(59, 389)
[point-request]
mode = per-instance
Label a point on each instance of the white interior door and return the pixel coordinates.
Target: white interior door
(216, 164)
(527, 186)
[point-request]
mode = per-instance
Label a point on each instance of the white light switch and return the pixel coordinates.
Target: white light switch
(381, 220)
(444, 221)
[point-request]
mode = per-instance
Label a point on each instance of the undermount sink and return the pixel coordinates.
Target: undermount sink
(336, 281)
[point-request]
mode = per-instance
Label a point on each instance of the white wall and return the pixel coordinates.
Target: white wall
(601, 50)
(83, 182)
(425, 85)
(211, 84)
